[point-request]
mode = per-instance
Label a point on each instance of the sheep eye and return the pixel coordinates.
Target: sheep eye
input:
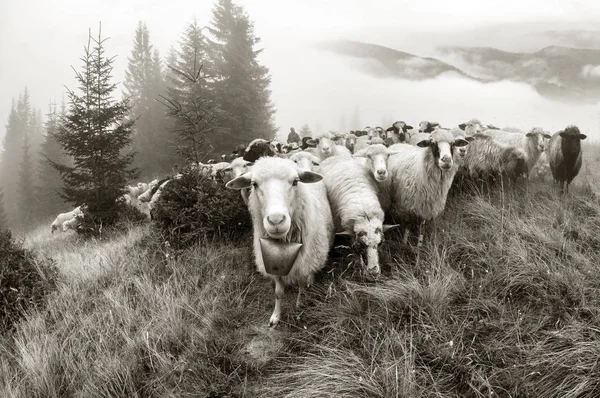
(255, 185)
(295, 182)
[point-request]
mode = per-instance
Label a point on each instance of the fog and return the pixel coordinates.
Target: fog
(41, 39)
(330, 87)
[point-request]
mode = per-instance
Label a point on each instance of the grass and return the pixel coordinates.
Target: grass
(504, 303)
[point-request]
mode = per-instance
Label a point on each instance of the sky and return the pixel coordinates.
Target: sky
(41, 40)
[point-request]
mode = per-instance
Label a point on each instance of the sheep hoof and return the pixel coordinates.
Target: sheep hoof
(373, 273)
(273, 321)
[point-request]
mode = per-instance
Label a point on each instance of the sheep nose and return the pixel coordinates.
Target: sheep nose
(276, 219)
(381, 172)
(446, 159)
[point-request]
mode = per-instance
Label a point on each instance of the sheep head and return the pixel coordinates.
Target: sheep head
(536, 136)
(324, 143)
(472, 127)
(275, 185)
(571, 140)
(442, 144)
(368, 234)
(458, 133)
(238, 167)
(377, 156)
(305, 161)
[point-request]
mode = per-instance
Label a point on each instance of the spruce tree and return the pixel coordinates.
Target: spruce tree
(305, 131)
(49, 181)
(3, 221)
(241, 84)
(94, 132)
(144, 84)
(9, 162)
(26, 189)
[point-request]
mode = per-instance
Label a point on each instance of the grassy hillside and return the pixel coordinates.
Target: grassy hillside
(504, 302)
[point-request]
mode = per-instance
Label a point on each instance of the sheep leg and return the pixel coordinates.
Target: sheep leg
(405, 236)
(301, 291)
(421, 228)
(279, 292)
(310, 279)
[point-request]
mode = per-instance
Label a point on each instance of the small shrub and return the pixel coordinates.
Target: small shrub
(114, 217)
(23, 284)
(195, 207)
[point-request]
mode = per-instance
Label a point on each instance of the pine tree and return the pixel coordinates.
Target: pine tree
(144, 85)
(94, 133)
(49, 179)
(241, 84)
(26, 189)
(305, 131)
(8, 161)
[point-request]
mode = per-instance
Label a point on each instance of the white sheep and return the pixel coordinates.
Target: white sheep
(415, 138)
(374, 159)
(62, 217)
(472, 127)
(421, 177)
(142, 186)
(134, 192)
(532, 143)
(305, 160)
(147, 195)
(488, 158)
(156, 195)
(326, 148)
(355, 205)
(238, 167)
(364, 141)
(288, 205)
(218, 168)
(72, 223)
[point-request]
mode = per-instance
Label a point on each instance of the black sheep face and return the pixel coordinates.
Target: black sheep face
(571, 141)
(258, 150)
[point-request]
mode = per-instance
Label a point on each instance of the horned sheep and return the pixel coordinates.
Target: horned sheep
(288, 205)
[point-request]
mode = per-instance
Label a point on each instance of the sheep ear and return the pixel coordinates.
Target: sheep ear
(315, 163)
(562, 134)
(345, 233)
(469, 138)
(227, 169)
(462, 126)
(361, 154)
(309, 177)
(250, 164)
(408, 127)
(240, 182)
(387, 227)
(582, 136)
(460, 142)
(313, 142)
(425, 143)
(528, 134)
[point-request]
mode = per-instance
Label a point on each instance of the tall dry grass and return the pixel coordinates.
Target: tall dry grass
(504, 302)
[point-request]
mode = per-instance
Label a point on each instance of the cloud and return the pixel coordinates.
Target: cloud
(591, 71)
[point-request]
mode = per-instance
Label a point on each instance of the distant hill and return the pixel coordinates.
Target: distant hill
(387, 62)
(558, 73)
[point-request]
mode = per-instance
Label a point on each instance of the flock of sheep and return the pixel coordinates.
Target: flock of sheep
(300, 194)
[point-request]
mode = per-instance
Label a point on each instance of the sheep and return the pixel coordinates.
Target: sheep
(156, 195)
(532, 143)
(365, 141)
(259, 148)
(462, 151)
(564, 155)
(288, 205)
(374, 159)
(305, 161)
(142, 186)
(427, 127)
(541, 169)
(238, 167)
(488, 158)
(147, 195)
(72, 223)
(421, 177)
(62, 217)
(134, 192)
(472, 127)
(350, 142)
(415, 138)
(325, 147)
(305, 144)
(397, 132)
(218, 169)
(355, 206)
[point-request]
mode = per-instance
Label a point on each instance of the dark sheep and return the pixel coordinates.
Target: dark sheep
(564, 155)
(258, 149)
